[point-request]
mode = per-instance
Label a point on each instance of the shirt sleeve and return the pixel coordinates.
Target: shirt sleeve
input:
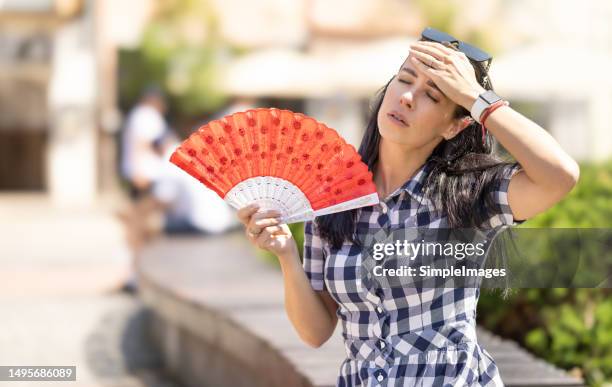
(314, 257)
(497, 208)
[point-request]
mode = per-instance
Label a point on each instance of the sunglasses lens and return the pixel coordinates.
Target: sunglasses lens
(474, 53)
(437, 36)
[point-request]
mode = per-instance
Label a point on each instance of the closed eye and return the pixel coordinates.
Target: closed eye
(409, 83)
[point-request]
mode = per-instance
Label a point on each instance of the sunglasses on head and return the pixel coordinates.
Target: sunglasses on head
(472, 52)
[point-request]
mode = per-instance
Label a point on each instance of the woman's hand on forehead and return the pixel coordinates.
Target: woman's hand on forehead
(449, 69)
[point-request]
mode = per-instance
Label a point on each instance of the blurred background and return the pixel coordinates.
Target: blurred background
(83, 82)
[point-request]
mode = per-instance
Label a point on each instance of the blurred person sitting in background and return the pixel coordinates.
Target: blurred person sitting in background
(165, 198)
(145, 126)
(176, 204)
(188, 206)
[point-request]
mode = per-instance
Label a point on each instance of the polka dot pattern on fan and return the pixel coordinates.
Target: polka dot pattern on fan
(280, 160)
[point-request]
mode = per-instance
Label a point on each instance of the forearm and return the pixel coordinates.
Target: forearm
(542, 158)
(305, 308)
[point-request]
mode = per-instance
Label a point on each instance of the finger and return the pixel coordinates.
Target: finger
(422, 67)
(273, 230)
(261, 223)
(266, 214)
(244, 214)
(250, 236)
(283, 229)
(427, 59)
(439, 47)
(254, 226)
(432, 50)
(445, 54)
(263, 239)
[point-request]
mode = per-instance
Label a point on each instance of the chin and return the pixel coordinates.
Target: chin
(393, 135)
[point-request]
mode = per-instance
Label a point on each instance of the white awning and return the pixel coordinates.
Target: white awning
(356, 70)
(551, 71)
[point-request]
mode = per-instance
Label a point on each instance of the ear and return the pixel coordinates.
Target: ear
(456, 126)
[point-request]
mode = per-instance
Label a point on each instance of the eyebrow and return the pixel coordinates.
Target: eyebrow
(414, 74)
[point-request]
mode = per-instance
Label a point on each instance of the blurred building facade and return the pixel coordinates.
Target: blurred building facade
(552, 65)
(58, 94)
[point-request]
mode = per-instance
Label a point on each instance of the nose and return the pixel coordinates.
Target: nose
(407, 99)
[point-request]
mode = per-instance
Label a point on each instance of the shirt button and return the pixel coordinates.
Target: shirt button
(379, 309)
(384, 207)
(382, 345)
(380, 377)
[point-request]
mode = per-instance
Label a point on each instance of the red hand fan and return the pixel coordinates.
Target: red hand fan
(280, 160)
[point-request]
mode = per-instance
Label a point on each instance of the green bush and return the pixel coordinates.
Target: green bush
(183, 52)
(572, 328)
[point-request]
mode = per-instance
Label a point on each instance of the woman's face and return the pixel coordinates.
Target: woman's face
(414, 112)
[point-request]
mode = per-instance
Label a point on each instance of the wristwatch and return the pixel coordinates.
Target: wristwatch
(483, 101)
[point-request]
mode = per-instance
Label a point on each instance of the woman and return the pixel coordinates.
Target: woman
(433, 167)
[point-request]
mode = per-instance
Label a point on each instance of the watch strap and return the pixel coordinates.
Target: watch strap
(483, 101)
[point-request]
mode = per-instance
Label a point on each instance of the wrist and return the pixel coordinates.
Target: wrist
(471, 97)
(292, 255)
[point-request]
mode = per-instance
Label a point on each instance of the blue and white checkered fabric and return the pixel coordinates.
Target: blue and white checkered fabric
(405, 336)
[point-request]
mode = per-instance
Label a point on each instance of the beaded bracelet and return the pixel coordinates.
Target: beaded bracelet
(488, 112)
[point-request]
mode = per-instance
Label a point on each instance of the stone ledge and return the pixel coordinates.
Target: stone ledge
(220, 320)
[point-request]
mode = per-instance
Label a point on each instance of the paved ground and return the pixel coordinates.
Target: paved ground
(58, 272)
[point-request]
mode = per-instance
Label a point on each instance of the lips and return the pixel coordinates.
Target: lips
(397, 117)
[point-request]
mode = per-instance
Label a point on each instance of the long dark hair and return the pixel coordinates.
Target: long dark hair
(461, 170)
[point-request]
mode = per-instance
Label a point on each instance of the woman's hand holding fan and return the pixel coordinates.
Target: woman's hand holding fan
(279, 160)
(264, 230)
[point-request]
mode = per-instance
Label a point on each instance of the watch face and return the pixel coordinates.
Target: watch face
(490, 97)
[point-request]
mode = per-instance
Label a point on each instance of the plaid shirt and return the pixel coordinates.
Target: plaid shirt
(405, 336)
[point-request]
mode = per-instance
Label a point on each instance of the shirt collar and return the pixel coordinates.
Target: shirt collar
(414, 185)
